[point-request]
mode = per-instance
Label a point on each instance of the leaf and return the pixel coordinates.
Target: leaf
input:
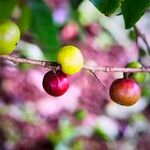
(106, 7)
(25, 19)
(75, 3)
(6, 8)
(43, 28)
(133, 10)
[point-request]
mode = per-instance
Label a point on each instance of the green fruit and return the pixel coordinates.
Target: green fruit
(138, 77)
(71, 59)
(9, 36)
(133, 64)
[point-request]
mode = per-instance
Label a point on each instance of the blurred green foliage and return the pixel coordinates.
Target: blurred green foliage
(43, 28)
(7, 6)
(98, 132)
(80, 114)
(25, 18)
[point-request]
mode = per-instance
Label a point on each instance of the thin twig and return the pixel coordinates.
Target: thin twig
(137, 44)
(54, 65)
(97, 78)
(142, 36)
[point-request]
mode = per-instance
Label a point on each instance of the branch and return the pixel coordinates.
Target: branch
(54, 65)
(116, 69)
(46, 64)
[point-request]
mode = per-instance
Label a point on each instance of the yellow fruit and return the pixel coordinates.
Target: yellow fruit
(71, 59)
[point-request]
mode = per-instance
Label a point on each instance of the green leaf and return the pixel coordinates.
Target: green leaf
(75, 3)
(133, 10)
(106, 7)
(6, 8)
(25, 19)
(43, 28)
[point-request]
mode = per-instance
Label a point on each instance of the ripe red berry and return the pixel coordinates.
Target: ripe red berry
(125, 91)
(55, 83)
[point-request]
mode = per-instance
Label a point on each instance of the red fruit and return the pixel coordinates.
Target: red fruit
(125, 91)
(55, 83)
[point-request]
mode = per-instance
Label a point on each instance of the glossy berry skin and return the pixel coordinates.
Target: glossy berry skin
(70, 59)
(9, 36)
(138, 77)
(125, 91)
(55, 84)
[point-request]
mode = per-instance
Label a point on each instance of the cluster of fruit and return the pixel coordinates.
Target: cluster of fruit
(69, 57)
(125, 91)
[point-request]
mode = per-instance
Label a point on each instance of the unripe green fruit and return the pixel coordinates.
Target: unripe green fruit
(134, 64)
(9, 36)
(138, 77)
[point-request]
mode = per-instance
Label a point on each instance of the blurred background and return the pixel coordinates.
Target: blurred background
(84, 118)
